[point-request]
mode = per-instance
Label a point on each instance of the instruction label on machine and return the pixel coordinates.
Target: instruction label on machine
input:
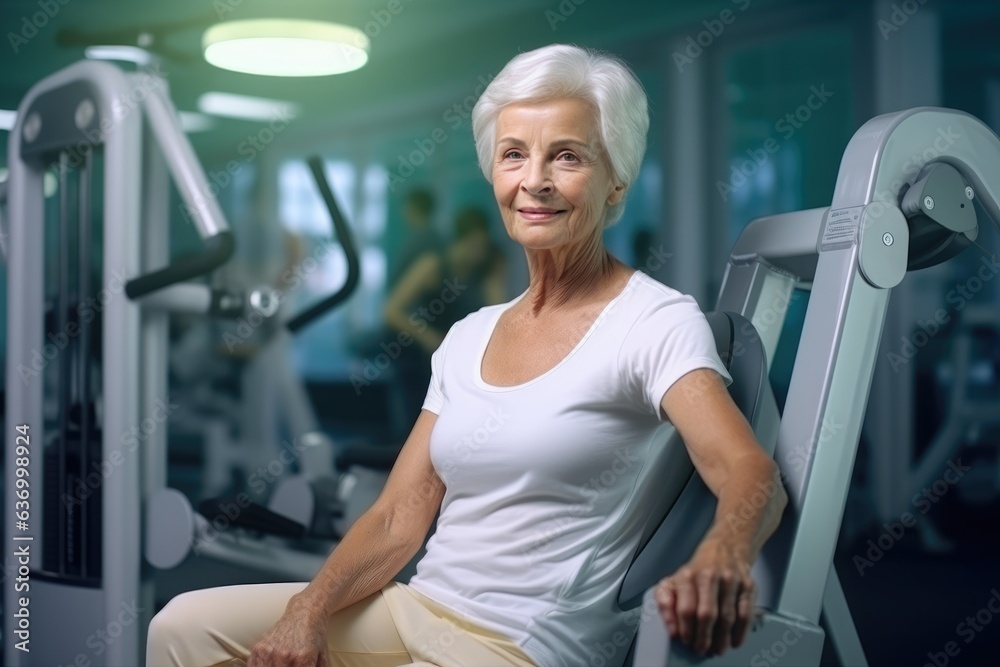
(840, 229)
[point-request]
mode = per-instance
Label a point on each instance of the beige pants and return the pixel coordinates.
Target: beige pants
(394, 627)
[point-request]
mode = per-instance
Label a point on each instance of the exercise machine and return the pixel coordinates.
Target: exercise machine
(910, 191)
(91, 287)
(972, 409)
(90, 373)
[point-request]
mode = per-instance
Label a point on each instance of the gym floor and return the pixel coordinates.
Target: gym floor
(909, 605)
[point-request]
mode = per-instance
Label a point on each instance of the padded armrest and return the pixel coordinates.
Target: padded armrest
(685, 522)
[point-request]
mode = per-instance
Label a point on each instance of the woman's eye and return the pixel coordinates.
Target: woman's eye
(568, 157)
(512, 155)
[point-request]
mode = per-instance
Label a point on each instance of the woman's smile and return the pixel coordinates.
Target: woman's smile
(539, 213)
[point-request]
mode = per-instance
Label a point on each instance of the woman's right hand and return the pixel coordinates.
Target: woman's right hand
(376, 547)
(298, 639)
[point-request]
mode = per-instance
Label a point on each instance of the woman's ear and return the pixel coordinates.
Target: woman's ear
(616, 195)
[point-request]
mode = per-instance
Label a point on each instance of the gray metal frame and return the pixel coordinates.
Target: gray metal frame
(135, 242)
(833, 252)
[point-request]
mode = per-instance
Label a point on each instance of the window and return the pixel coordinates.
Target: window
(789, 101)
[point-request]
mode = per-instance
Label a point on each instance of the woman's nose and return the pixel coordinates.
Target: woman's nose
(536, 177)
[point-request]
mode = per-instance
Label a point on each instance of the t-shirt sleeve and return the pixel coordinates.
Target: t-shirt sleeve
(434, 400)
(667, 341)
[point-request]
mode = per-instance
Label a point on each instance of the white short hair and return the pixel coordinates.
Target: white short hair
(562, 70)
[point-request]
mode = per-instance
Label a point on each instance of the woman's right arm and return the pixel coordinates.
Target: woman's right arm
(373, 551)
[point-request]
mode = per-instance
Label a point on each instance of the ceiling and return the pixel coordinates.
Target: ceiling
(429, 51)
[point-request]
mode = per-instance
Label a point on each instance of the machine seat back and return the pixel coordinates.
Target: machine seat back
(687, 506)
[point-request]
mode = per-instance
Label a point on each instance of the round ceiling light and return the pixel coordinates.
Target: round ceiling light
(285, 47)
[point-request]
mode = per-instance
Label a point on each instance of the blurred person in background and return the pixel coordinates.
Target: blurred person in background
(421, 238)
(436, 291)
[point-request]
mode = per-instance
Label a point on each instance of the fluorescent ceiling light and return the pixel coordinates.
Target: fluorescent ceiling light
(130, 54)
(285, 47)
(7, 119)
(192, 121)
(246, 107)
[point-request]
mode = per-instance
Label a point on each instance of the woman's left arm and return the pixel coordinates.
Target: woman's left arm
(708, 602)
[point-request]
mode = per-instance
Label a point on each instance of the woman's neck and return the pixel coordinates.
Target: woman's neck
(569, 278)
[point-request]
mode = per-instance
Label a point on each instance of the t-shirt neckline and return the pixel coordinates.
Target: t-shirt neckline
(477, 372)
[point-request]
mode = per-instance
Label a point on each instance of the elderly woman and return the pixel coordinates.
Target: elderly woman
(539, 442)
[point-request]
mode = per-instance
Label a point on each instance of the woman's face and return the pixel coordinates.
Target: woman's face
(551, 176)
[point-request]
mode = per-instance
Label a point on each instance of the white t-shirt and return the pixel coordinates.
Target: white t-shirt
(546, 481)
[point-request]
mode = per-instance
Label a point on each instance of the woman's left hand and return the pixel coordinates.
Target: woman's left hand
(708, 603)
